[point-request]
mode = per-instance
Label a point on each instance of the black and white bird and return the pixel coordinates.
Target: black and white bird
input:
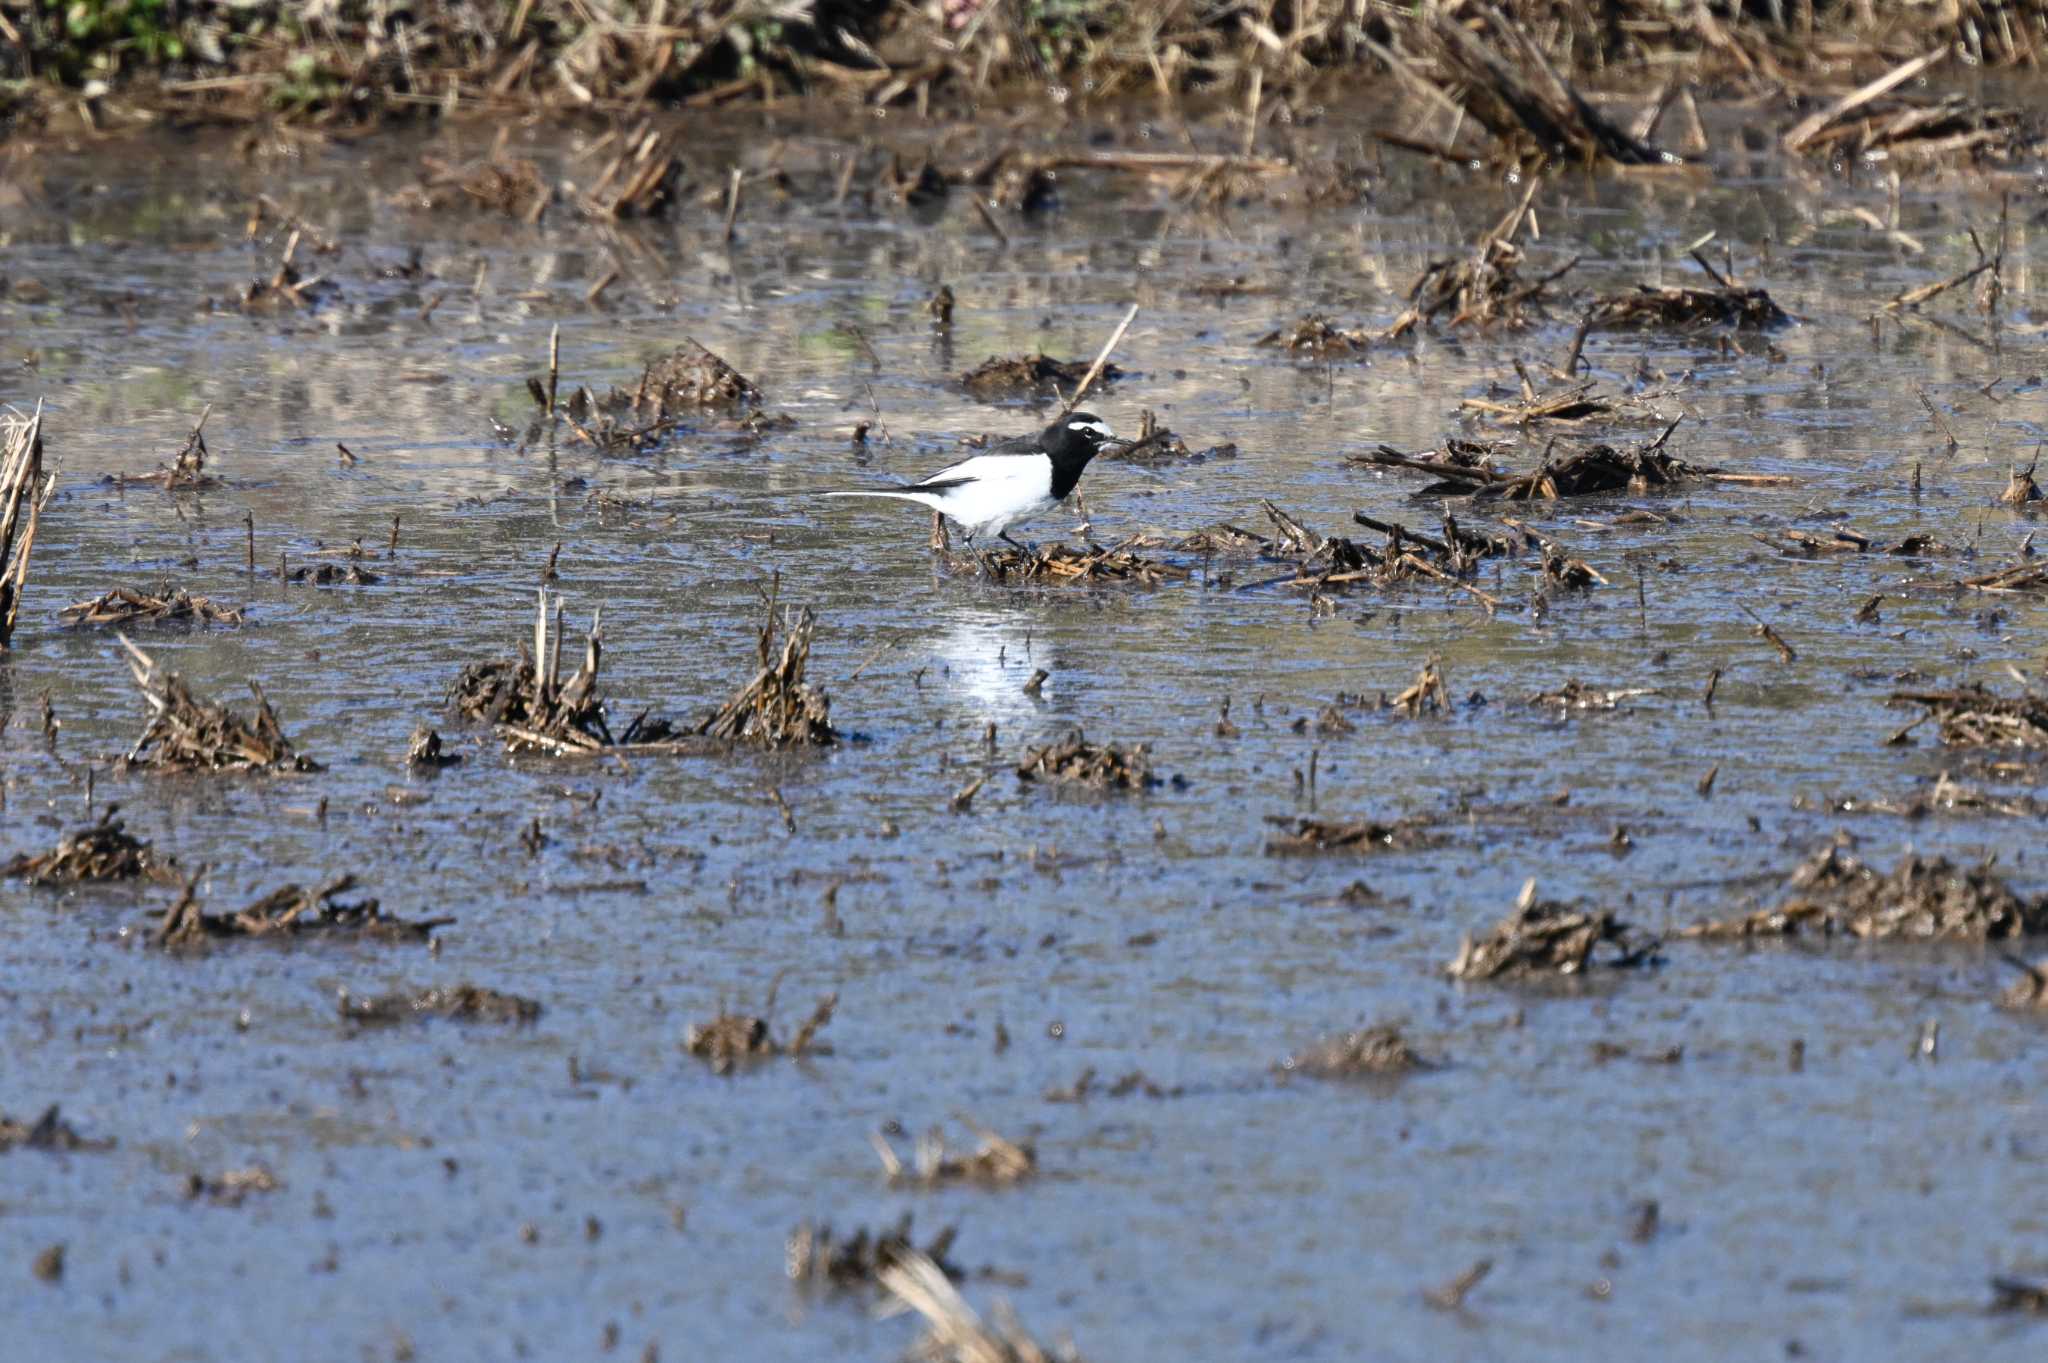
(1010, 483)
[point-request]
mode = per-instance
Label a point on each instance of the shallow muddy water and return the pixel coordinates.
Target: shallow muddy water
(455, 1191)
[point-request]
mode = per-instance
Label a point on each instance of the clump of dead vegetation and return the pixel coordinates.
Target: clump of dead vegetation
(231, 1187)
(1494, 69)
(731, 1040)
(1104, 766)
(1322, 562)
(777, 708)
(1484, 288)
(1031, 376)
(186, 733)
(161, 604)
(1059, 565)
(2019, 1296)
(995, 1162)
(1674, 307)
(1461, 469)
(688, 386)
(455, 1003)
(423, 751)
(2029, 994)
(1978, 717)
(1155, 444)
(1314, 336)
(1376, 1052)
(98, 852)
(498, 183)
(692, 377)
(1576, 697)
(1572, 405)
(1834, 894)
(47, 1132)
(537, 710)
(286, 913)
(1880, 120)
(643, 178)
(24, 490)
(286, 288)
(953, 1332)
(815, 1256)
(1314, 837)
(1547, 939)
(335, 575)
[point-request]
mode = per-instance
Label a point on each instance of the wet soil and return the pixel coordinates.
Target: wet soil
(1837, 1138)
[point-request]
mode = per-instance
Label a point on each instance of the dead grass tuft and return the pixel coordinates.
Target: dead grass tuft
(1834, 894)
(1548, 939)
(99, 852)
(186, 733)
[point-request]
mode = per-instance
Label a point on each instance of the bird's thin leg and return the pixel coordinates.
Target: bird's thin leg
(1004, 536)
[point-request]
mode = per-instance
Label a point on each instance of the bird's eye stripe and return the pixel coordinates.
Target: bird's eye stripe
(1100, 428)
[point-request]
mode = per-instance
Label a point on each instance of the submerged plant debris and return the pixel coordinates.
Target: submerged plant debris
(186, 733)
(47, 1132)
(1314, 336)
(231, 1187)
(499, 183)
(733, 1039)
(1310, 836)
(995, 1162)
(1104, 766)
(1376, 1052)
(456, 1003)
(159, 605)
(1922, 899)
(1031, 376)
(1577, 697)
(288, 912)
(100, 851)
(1546, 938)
(815, 1256)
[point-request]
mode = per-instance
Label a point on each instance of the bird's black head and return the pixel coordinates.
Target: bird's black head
(1070, 443)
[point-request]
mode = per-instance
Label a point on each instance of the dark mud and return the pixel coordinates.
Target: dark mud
(1839, 1133)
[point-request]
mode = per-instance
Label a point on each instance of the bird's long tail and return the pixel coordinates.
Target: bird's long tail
(922, 498)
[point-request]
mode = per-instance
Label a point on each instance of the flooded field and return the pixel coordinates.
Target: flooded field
(1819, 1146)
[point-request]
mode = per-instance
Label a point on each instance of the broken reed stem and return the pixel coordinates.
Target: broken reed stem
(22, 480)
(732, 203)
(988, 218)
(554, 364)
(1095, 370)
